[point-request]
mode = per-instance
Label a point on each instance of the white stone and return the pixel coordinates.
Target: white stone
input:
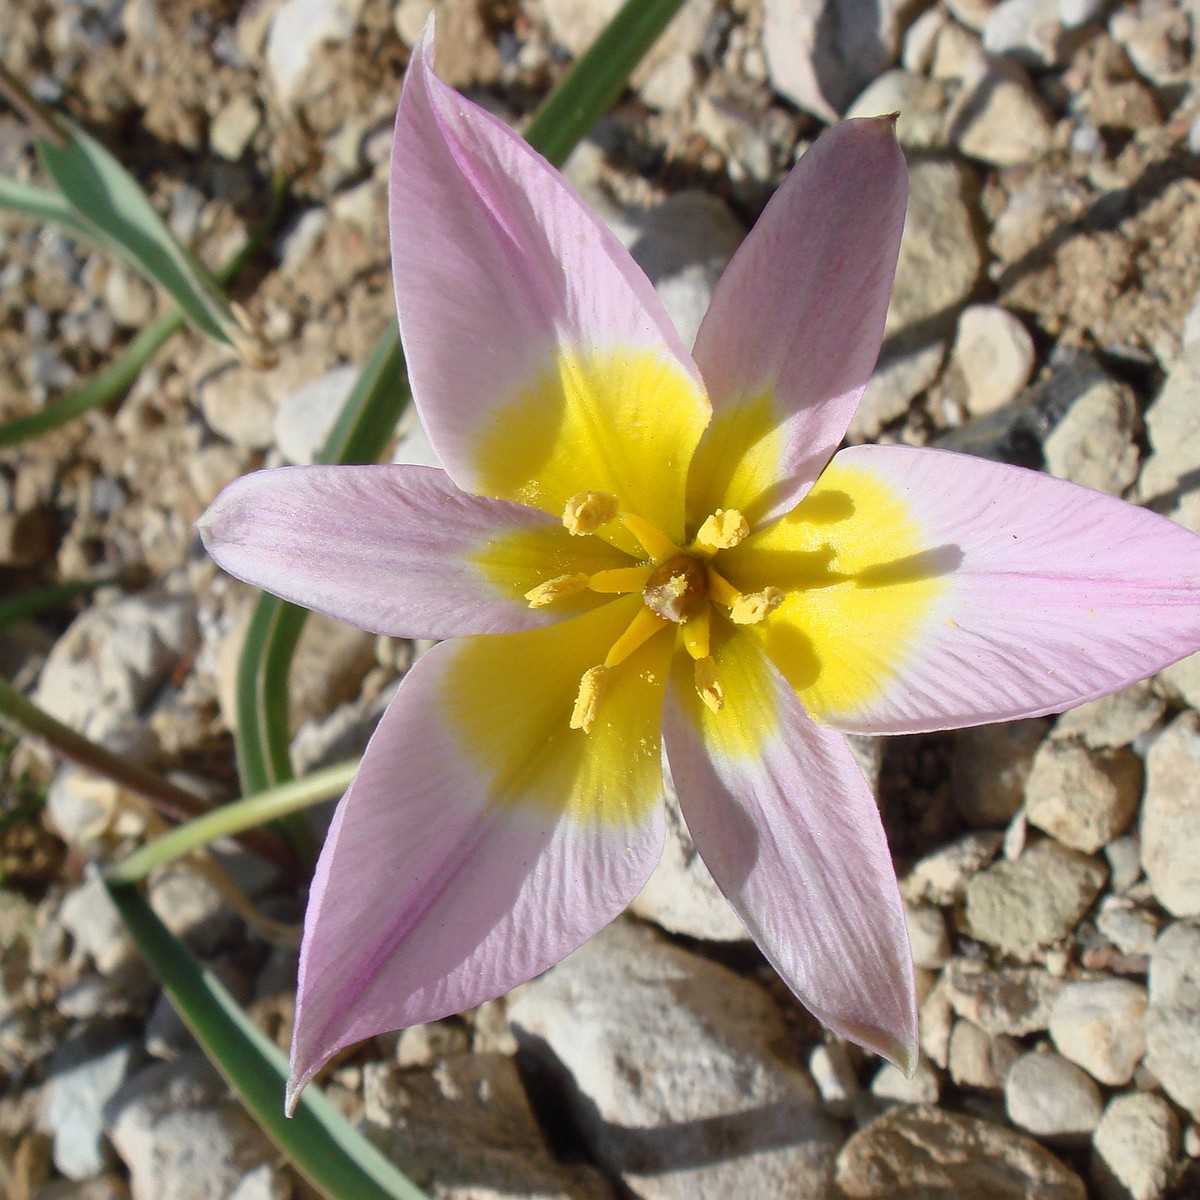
(995, 354)
(834, 1075)
(1028, 29)
(113, 658)
(682, 1092)
(1051, 1097)
(1099, 1024)
(890, 1083)
(84, 1073)
(1082, 797)
(234, 126)
(1094, 443)
(978, 1059)
(181, 1135)
(1026, 904)
(683, 245)
(298, 29)
(1170, 827)
(1116, 720)
(942, 877)
(1000, 120)
(1173, 1017)
(1131, 929)
(921, 104)
(1001, 1000)
(821, 53)
(1136, 1148)
(927, 933)
(305, 417)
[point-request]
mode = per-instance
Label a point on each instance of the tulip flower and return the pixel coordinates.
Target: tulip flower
(632, 548)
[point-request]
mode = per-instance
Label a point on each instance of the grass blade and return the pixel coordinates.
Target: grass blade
(334, 1157)
(37, 600)
(108, 201)
(43, 205)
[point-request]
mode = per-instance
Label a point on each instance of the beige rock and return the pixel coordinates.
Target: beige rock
(1082, 797)
(928, 1154)
(1100, 1025)
(1170, 825)
(994, 353)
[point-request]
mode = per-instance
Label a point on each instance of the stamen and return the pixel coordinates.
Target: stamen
(720, 589)
(561, 587)
(641, 629)
(754, 606)
(722, 531)
(620, 580)
(707, 686)
(696, 633)
(587, 701)
(656, 544)
(586, 512)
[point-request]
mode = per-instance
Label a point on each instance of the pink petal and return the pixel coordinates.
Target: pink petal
(482, 839)
(1056, 594)
(795, 324)
(392, 549)
(787, 825)
(512, 296)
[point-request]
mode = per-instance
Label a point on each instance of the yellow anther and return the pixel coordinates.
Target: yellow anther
(587, 701)
(754, 606)
(707, 686)
(722, 531)
(562, 587)
(586, 512)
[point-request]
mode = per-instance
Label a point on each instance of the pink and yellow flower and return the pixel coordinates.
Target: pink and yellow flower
(637, 548)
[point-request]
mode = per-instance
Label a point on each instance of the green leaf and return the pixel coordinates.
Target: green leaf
(43, 205)
(371, 412)
(112, 207)
(333, 1156)
(598, 77)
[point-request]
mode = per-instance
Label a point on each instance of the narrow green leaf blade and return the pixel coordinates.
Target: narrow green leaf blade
(598, 77)
(43, 205)
(334, 1157)
(108, 201)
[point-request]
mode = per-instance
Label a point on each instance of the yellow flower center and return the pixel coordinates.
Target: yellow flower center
(679, 588)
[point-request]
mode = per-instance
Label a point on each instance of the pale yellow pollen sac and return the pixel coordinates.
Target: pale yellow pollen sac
(752, 607)
(722, 531)
(586, 512)
(707, 685)
(587, 701)
(561, 587)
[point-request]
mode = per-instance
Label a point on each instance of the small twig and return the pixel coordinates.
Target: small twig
(36, 115)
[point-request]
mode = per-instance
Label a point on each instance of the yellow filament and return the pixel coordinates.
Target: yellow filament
(620, 580)
(560, 588)
(720, 589)
(656, 544)
(722, 531)
(586, 512)
(707, 686)
(754, 606)
(587, 701)
(641, 629)
(696, 631)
